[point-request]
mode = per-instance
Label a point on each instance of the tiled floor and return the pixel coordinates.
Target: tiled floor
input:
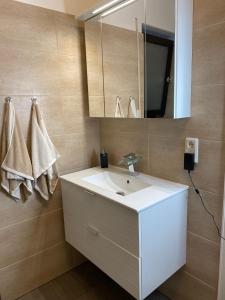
(83, 283)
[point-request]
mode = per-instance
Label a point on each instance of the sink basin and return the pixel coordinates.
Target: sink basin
(121, 184)
(116, 184)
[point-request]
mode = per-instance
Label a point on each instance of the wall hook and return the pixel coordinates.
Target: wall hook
(8, 99)
(34, 100)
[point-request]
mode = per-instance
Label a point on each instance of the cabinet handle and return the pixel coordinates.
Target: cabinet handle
(93, 230)
(90, 193)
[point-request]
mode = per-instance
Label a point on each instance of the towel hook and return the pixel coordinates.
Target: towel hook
(8, 99)
(34, 100)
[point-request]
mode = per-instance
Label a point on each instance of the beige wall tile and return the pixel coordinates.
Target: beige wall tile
(166, 158)
(124, 125)
(24, 9)
(208, 111)
(183, 286)
(91, 148)
(17, 241)
(28, 274)
(204, 266)
(69, 33)
(167, 127)
(209, 55)
(68, 116)
(199, 222)
(56, 74)
(75, 149)
(14, 76)
(28, 25)
(207, 12)
(12, 212)
(209, 172)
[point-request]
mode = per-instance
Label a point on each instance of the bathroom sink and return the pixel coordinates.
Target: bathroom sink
(116, 184)
(121, 184)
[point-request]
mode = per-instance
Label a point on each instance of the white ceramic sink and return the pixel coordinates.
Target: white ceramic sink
(121, 184)
(136, 192)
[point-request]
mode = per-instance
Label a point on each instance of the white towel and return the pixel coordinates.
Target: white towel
(132, 110)
(44, 156)
(16, 169)
(119, 110)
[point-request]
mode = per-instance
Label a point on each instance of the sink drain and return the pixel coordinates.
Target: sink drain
(120, 193)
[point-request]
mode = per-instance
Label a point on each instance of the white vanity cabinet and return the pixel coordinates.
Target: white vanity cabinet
(137, 249)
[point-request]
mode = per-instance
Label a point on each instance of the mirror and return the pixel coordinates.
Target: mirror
(139, 56)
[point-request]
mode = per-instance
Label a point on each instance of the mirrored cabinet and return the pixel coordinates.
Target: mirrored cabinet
(139, 59)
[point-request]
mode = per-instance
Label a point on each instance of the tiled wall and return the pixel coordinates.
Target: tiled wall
(42, 54)
(161, 143)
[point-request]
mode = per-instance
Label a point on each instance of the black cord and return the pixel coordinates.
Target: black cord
(205, 207)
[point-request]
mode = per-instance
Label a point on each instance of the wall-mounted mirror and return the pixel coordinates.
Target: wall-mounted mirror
(139, 57)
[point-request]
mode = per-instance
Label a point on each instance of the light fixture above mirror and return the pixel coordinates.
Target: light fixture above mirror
(104, 7)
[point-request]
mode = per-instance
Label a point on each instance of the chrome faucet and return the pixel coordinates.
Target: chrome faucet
(130, 160)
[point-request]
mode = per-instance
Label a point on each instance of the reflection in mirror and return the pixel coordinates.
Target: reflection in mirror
(121, 66)
(159, 33)
(131, 54)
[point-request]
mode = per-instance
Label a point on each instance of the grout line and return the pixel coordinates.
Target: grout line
(197, 29)
(149, 133)
(207, 84)
(204, 238)
(198, 279)
(30, 219)
(209, 192)
(33, 255)
(80, 132)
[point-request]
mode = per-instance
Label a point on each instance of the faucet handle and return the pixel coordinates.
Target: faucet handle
(130, 159)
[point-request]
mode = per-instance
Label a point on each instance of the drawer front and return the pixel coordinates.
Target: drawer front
(115, 222)
(120, 265)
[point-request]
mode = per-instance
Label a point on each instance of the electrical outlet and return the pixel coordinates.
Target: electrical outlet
(191, 146)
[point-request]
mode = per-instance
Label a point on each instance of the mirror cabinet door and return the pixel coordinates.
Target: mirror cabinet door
(159, 32)
(121, 66)
(139, 60)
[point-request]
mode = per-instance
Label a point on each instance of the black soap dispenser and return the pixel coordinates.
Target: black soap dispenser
(104, 159)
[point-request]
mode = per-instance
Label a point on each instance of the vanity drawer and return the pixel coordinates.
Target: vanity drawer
(114, 221)
(112, 259)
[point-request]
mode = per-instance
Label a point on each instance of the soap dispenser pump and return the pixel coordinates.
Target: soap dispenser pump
(104, 159)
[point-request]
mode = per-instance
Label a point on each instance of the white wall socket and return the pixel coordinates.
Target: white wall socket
(192, 146)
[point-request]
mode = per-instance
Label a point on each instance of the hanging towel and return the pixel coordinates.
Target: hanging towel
(132, 110)
(16, 169)
(44, 156)
(119, 110)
